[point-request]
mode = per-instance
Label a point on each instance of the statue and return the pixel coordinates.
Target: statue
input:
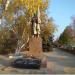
(36, 24)
(35, 43)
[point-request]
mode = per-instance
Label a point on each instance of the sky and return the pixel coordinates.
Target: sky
(62, 12)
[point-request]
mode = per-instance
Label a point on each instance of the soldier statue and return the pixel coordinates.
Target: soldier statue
(36, 24)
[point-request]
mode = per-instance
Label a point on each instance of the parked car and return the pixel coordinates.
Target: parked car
(27, 63)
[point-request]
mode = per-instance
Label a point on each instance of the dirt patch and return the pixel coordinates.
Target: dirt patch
(69, 70)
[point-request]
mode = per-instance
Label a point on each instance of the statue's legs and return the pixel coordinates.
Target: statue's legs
(35, 31)
(38, 29)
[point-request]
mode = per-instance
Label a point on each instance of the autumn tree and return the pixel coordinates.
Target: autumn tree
(72, 24)
(21, 23)
(29, 7)
(66, 37)
(47, 28)
(8, 41)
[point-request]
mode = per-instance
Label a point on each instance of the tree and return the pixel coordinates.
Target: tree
(73, 30)
(47, 26)
(31, 6)
(66, 38)
(8, 41)
(73, 25)
(21, 24)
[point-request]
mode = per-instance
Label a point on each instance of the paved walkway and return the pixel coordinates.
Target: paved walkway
(60, 62)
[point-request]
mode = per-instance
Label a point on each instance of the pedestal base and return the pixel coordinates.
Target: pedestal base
(35, 47)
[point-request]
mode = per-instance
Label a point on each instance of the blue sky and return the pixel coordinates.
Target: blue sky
(61, 11)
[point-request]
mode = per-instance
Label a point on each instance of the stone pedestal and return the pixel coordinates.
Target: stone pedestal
(35, 47)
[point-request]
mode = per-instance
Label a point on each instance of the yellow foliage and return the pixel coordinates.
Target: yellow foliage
(22, 27)
(31, 6)
(48, 30)
(47, 26)
(0, 1)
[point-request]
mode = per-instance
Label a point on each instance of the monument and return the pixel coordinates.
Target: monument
(34, 57)
(35, 43)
